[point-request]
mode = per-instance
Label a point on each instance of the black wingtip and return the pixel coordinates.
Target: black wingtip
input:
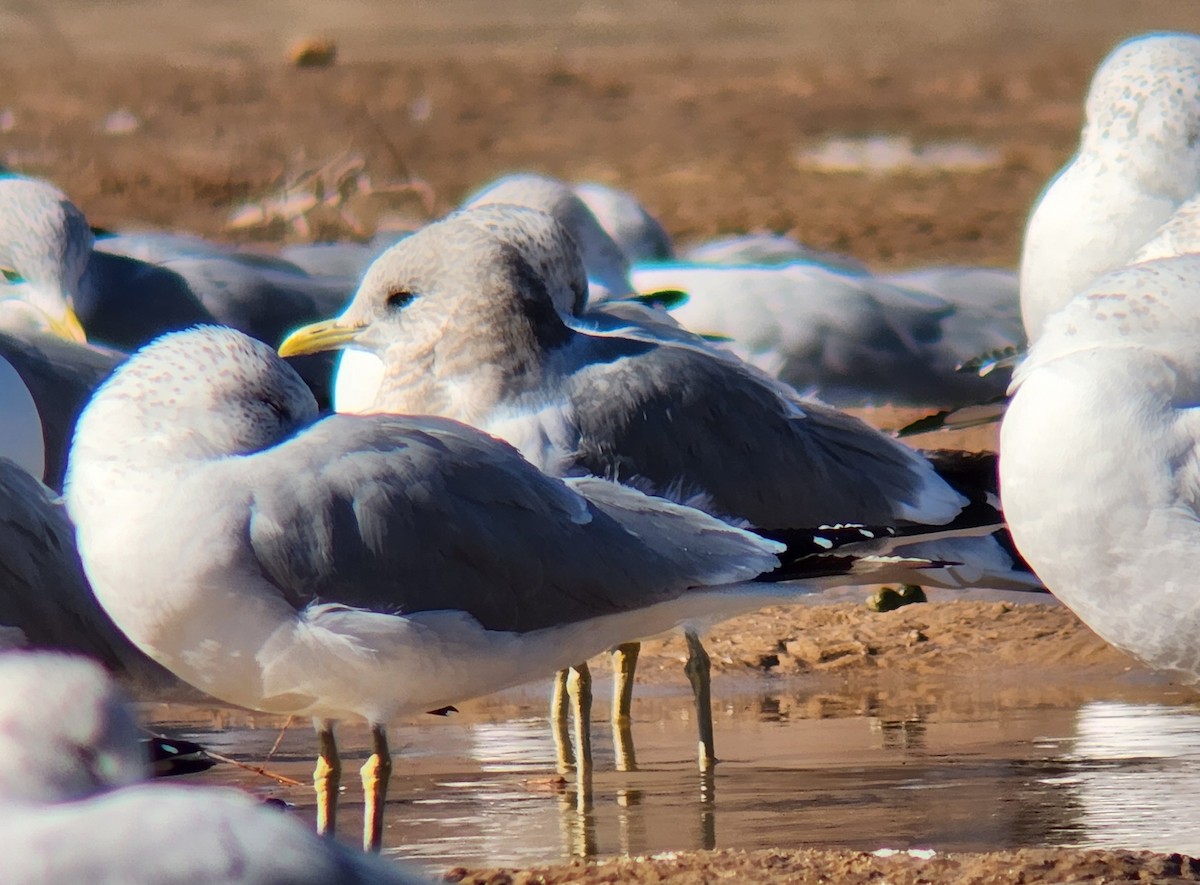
(169, 757)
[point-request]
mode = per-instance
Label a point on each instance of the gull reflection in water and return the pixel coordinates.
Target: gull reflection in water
(1135, 770)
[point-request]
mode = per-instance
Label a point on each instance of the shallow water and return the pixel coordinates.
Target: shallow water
(954, 765)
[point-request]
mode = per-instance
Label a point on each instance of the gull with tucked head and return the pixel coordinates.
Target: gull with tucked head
(1138, 161)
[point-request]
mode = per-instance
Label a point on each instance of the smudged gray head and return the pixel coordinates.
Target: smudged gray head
(607, 266)
(545, 244)
(45, 243)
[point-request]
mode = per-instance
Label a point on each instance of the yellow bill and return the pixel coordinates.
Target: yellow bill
(68, 327)
(318, 337)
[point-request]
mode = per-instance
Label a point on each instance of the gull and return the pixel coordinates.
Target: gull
(1138, 161)
(51, 276)
(1128, 195)
(1098, 459)
(851, 338)
(74, 808)
(365, 566)
(465, 316)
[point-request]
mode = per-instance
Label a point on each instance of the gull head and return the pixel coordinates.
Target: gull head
(607, 265)
(499, 272)
(1143, 113)
(45, 244)
(201, 394)
(65, 729)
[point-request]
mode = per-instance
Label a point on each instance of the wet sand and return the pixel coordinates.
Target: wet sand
(706, 112)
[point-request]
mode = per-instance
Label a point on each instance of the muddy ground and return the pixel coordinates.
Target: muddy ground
(169, 114)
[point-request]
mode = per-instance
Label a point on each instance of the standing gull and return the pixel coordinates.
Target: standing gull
(463, 315)
(364, 566)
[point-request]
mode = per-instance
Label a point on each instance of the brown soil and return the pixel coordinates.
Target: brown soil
(699, 109)
(849, 640)
(815, 865)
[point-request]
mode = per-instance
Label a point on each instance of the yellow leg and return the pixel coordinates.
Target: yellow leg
(698, 669)
(579, 686)
(624, 658)
(376, 772)
(560, 724)
(326, 778)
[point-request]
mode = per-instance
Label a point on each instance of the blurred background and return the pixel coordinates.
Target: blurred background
(900, 131)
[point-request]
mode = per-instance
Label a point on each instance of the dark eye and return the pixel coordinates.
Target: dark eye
(399, 299)
(280, 411)
(11, 275)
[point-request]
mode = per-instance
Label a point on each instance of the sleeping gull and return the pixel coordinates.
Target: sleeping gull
(463, 315)
(1098, 459)
(851, 338)
(72, 808)
(1138, 161)
(364, 566)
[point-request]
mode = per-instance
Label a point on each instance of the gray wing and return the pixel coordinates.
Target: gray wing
(407, 515)
(688, 425)
(43, 591)
(125, 302)
(261, 302)
(61, 376)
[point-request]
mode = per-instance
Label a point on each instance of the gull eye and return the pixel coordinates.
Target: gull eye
(11, 275)
(399, 299)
